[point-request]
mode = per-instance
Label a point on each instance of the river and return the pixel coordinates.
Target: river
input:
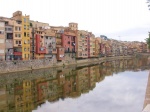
(117, 86)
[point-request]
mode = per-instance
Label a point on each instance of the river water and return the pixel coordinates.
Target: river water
(117, 86)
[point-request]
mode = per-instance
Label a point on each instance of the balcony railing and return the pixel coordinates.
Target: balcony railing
(66, 51)
(17, 53)
(54, 51)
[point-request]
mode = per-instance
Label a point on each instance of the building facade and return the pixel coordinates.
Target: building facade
(69, 43)
(82, 44)
(25, 33)
(50, 43)
(2, 40)
(9, 49)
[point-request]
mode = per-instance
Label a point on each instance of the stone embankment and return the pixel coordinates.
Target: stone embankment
(15, 66)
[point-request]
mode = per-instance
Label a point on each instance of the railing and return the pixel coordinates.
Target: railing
(17, 53)
(69, 51)
(54, 51)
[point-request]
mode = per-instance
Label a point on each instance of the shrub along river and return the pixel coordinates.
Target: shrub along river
(117, 86)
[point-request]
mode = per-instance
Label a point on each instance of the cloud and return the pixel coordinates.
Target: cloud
(139, 33)
(100, 16)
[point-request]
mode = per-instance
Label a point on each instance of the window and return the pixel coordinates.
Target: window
(1, 31)
(28, 41)
(16, 28)
(27, 34)
(16, 35)
(19, 28)
(24, 49)
(24, 34)
(19, 35)
(28, 55)
(16, 41)
(9, 29)
(25, 27)
(9, 36)
(24, 55)
(19, 42)
(24, 20)
(28, 49)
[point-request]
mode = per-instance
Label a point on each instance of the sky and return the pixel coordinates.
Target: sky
(127, 20)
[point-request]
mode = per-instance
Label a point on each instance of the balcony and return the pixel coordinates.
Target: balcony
(32, 50)
(9, 35)
(73, 43)
(54, 51)
(17, 45)
(68, 51)
(17, 53)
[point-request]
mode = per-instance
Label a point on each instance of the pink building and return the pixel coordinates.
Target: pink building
(40, 48)
(69, 41)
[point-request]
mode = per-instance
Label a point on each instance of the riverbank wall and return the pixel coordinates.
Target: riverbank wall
(15, 66)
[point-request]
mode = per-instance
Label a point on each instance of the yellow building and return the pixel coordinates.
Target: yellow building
(27, 96)
(25, 33)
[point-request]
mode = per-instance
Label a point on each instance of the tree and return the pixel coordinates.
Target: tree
(148, 41)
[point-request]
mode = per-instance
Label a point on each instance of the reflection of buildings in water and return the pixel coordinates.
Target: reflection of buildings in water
(3, 99)
(25, 95)
(83, 79)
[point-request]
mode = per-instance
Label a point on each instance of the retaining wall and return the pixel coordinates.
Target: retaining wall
(14, 66)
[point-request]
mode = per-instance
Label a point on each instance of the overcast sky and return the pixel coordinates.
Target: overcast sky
(113, 18)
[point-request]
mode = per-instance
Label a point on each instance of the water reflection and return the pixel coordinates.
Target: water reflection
(25, 91)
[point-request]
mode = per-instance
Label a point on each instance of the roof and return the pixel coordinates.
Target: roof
(2, 20)
(58, 27)
(38, 22)
(73, 23)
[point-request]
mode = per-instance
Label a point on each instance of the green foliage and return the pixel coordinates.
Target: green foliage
(148, 41)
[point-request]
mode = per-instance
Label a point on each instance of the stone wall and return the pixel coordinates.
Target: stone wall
(14, 66)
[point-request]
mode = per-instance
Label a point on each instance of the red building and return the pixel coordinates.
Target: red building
(40, 48)
(60, 53)
(42, 91)
(69, 40)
